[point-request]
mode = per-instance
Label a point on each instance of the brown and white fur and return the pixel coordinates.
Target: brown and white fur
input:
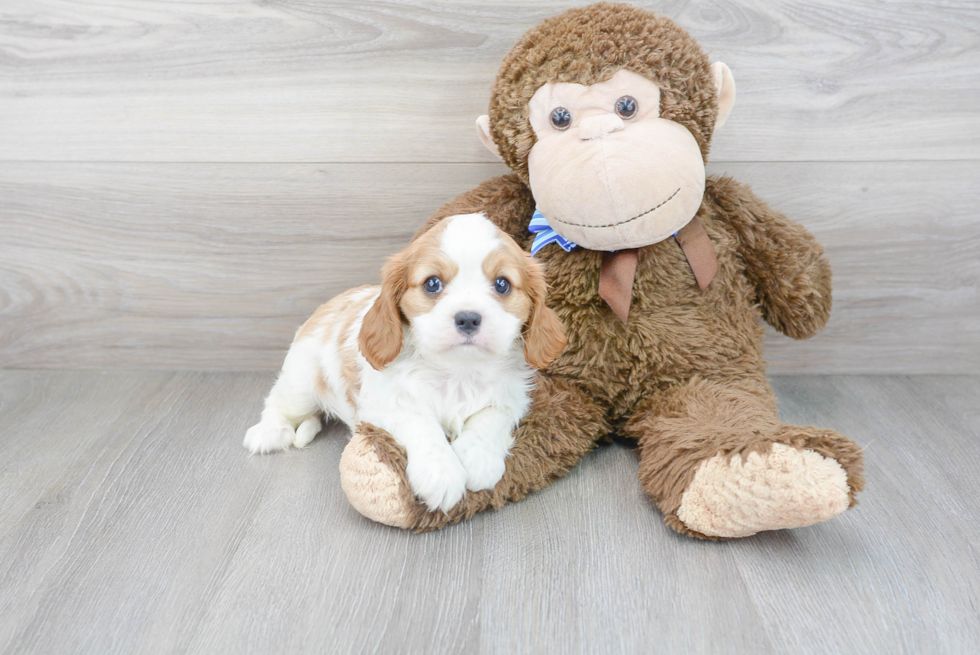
(399, 357)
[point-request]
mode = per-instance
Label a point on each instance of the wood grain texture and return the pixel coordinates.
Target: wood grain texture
(400, 80)
(134, 521)
(213, 266)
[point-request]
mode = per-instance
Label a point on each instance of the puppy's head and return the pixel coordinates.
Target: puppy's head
(468, 292)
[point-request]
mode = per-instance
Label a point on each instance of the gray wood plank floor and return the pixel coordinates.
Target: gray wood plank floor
(132, 520)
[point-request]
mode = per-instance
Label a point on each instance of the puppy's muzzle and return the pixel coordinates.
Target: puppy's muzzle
(468, 322)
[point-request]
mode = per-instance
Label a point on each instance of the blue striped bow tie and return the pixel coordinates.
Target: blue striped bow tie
(545, 234)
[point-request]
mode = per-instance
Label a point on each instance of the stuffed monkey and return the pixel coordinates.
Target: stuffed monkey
(605, 115)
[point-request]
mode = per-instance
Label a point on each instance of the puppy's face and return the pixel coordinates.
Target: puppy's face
(468, 292)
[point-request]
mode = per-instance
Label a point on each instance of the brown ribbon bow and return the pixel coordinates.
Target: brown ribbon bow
(619, 267)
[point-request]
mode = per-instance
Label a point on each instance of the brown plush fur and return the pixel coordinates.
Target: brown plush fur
(685, 376)
(695, 421)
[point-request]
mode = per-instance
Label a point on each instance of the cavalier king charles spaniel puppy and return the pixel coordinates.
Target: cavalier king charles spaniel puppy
(441, 355)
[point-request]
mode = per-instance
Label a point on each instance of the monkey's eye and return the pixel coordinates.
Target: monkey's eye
(432, 286)
(561, 118)
(502, 286)
(626, 107)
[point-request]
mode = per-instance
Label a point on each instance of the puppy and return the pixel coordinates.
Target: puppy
(440, 356)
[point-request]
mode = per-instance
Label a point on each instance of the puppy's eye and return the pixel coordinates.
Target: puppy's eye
(626, 107)
(432, 286)
(502, 286)
(561, 118)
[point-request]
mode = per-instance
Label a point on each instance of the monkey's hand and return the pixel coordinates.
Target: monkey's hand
(783, 260)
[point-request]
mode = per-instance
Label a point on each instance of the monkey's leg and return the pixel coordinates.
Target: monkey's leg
(718, 462)
(562, 425)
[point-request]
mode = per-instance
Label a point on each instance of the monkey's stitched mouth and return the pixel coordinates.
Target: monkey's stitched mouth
(628, 220)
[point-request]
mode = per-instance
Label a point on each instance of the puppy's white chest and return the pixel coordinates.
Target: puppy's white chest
(460, 396)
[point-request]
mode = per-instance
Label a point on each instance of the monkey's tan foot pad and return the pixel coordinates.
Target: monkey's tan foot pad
(785, 488)
(373, 487)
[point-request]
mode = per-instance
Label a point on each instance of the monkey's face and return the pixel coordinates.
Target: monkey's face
(606, 171)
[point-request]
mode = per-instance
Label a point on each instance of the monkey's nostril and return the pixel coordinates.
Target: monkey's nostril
(468, 322)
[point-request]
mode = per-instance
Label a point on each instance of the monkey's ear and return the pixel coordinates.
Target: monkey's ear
(483, 131)
(725, 83)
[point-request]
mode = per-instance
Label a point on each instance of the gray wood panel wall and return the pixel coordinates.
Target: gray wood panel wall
(181, 184)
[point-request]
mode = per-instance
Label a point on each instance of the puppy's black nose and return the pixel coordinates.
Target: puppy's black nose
(468, 322)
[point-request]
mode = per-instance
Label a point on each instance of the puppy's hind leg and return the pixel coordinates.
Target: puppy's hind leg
(292, 415)
(307, 430)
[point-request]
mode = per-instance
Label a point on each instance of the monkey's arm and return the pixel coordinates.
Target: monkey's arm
(505, 200)
(783, 260)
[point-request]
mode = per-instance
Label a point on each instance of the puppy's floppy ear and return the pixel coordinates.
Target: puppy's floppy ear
(380, 339)
(544, 335)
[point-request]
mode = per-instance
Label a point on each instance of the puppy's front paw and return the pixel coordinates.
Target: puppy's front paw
(437, 477)
(484, 465)
(269, 437)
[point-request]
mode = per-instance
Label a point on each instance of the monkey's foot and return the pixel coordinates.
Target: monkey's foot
(732, 496)
(373, 475)
(375, 488)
